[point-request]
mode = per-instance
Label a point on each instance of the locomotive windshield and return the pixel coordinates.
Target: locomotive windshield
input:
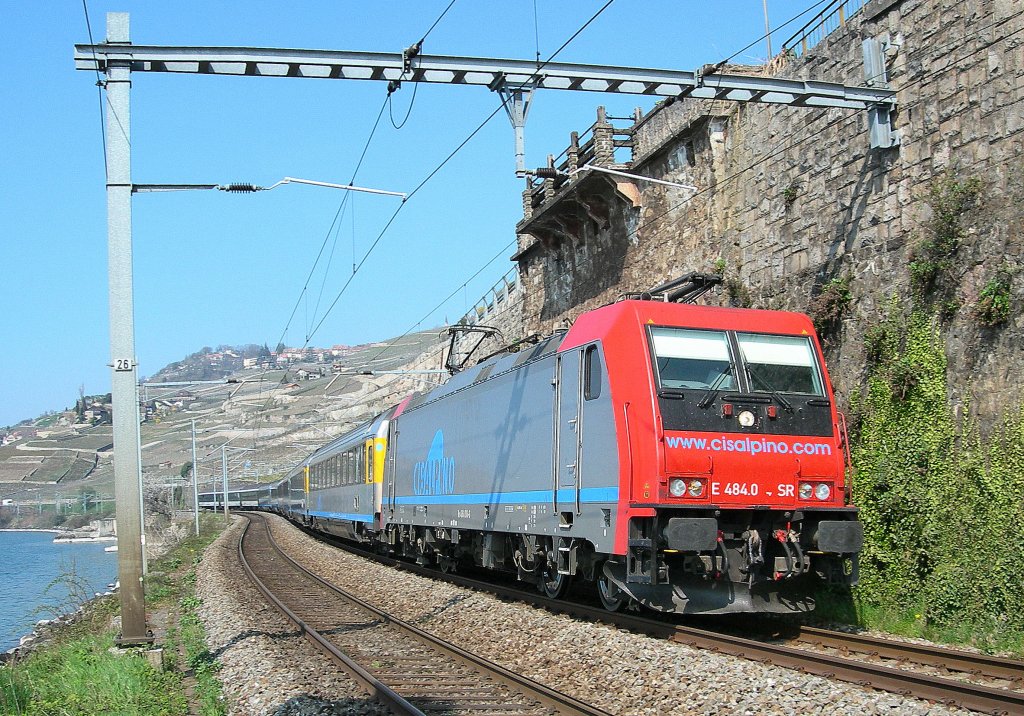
(783, 364)
(692, 359)
(705, 360)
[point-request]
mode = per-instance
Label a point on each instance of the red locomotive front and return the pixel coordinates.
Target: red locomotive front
(732, 459)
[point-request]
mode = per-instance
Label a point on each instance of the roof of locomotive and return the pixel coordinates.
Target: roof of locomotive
(597, 323)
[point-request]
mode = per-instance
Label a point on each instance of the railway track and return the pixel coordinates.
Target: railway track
(410, 671)
(953, 677)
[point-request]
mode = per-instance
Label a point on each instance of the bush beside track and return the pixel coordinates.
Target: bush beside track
(942, 504)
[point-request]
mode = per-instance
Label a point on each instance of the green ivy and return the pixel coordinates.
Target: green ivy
(942, 508)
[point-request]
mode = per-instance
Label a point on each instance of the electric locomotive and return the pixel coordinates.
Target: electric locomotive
(687, 458)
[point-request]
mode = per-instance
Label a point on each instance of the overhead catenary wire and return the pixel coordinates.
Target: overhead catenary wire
(437, 21)
(431, 312)
(773, 30)
(445, 161)
(398, 210)
(99, 88)
(410, 53)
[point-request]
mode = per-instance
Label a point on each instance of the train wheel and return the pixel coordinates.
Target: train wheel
(445, 563)
(612, 598)
(554, 585)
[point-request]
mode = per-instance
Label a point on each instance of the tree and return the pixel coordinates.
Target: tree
(186, 470)
(280, 347)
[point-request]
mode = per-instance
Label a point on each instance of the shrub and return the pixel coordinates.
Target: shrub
(942, 507)
(827, 308)
(993, 306)
(949, 199)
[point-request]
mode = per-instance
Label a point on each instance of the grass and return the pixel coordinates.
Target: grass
(846, 608)
(78, 673)
(80, 676)
(202, 663)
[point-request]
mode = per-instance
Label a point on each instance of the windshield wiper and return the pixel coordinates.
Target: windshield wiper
(707, 398)
(771, 390)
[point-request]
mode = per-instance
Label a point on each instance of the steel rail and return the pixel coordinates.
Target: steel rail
(967, 662)
(367, 681)
(550, 698)
(899, 681)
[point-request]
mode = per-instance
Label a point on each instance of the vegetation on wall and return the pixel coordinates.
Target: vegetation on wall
(828, 307)
(993, 306)
(790, 194)
(738, 293)
(943, 508)
(933, 259)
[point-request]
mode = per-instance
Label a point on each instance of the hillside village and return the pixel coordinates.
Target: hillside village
(266, 409)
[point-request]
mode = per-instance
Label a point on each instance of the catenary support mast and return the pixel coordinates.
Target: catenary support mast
(127, 491)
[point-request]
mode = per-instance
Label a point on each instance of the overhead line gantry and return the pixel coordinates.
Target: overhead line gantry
(515, 80)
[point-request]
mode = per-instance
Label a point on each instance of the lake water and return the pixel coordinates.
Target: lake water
(29, 562)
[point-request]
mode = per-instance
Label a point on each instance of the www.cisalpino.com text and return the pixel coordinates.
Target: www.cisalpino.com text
(753, 446)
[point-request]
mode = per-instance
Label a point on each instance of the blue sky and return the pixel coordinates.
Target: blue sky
(212, 268)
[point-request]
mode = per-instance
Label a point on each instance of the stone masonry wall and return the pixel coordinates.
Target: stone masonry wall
(791, 198)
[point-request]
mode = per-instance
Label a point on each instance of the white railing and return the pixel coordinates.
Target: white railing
(830, 19)
(505, 290)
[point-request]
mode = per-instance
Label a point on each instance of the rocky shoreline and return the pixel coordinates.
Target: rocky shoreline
(45, 629)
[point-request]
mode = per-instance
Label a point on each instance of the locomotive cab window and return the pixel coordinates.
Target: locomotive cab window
(785, 364)
(687, 358)
(592, 374)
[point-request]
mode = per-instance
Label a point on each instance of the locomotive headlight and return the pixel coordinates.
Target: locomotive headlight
(822, 491)
(677, 487)
(696, 488)
(806, 490)
(746, 418)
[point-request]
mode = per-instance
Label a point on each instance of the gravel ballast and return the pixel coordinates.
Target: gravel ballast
(267, 667)
(619, 672)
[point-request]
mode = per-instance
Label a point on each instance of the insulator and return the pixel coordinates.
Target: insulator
(547, 173)
(241, 188)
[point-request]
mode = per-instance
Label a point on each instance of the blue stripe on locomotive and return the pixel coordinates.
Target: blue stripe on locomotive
(478, 444)
(587, 494)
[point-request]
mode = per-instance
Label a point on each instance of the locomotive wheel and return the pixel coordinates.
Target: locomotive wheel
(445, 563)
(555, 585)
(612, 598)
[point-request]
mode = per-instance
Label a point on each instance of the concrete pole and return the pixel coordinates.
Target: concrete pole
(142, 487)
(224, 473)
(195, 478)
(122, 339)
(767, 31)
